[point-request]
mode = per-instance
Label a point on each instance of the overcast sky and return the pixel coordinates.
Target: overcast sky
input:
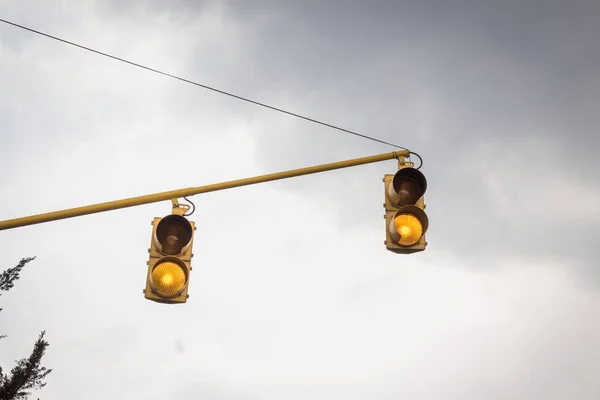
(293, 295)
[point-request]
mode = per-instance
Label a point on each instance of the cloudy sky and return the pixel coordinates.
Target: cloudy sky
(293, 295)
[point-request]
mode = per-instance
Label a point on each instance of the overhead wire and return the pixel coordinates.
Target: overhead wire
(204, 86)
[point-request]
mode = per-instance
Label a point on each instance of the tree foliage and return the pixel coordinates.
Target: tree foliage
(27, 374)
(11, 275)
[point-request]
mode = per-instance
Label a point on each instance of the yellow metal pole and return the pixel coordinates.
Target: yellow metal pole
(162, 196)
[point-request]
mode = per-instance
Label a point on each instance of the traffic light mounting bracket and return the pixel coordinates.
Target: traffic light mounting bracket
(402, 163)
(178, 208)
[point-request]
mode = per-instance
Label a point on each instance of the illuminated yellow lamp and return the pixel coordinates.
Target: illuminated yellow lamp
(169, 278)
(409, 228)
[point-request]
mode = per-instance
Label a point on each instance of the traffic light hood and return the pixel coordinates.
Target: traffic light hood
(173, 234)
(408, 186)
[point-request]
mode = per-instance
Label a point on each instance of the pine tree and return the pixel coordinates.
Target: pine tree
(27, 374)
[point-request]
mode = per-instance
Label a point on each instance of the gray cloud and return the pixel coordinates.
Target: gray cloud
(515, 82)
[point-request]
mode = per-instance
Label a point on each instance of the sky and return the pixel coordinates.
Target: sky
(293, 294)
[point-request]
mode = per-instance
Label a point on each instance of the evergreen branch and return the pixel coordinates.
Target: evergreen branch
(27, 375)
(11, 275)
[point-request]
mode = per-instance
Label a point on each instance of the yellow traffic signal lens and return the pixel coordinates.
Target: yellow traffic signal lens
(409, 228)
(169, 278)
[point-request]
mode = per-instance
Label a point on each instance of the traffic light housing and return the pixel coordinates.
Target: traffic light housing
(169, 264)
(405, 219)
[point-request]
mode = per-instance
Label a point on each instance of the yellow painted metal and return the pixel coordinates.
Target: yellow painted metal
(406, 220)
(175, 194)
(169, 284)
(179, 209)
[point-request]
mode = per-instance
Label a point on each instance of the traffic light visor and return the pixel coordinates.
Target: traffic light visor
(168, 278)
(173, 234)
(408, 225)
(407, 187)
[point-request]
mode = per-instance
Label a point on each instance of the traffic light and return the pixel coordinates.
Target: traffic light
(169, 265)
(405, 218)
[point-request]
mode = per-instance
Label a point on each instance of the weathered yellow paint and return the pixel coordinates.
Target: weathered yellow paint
(157, 289)
(175, 194)
(406, 220)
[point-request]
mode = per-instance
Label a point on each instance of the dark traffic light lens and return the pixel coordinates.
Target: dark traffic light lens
(173, 232)
(409, 190)
(409, 185)
(168, 278)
